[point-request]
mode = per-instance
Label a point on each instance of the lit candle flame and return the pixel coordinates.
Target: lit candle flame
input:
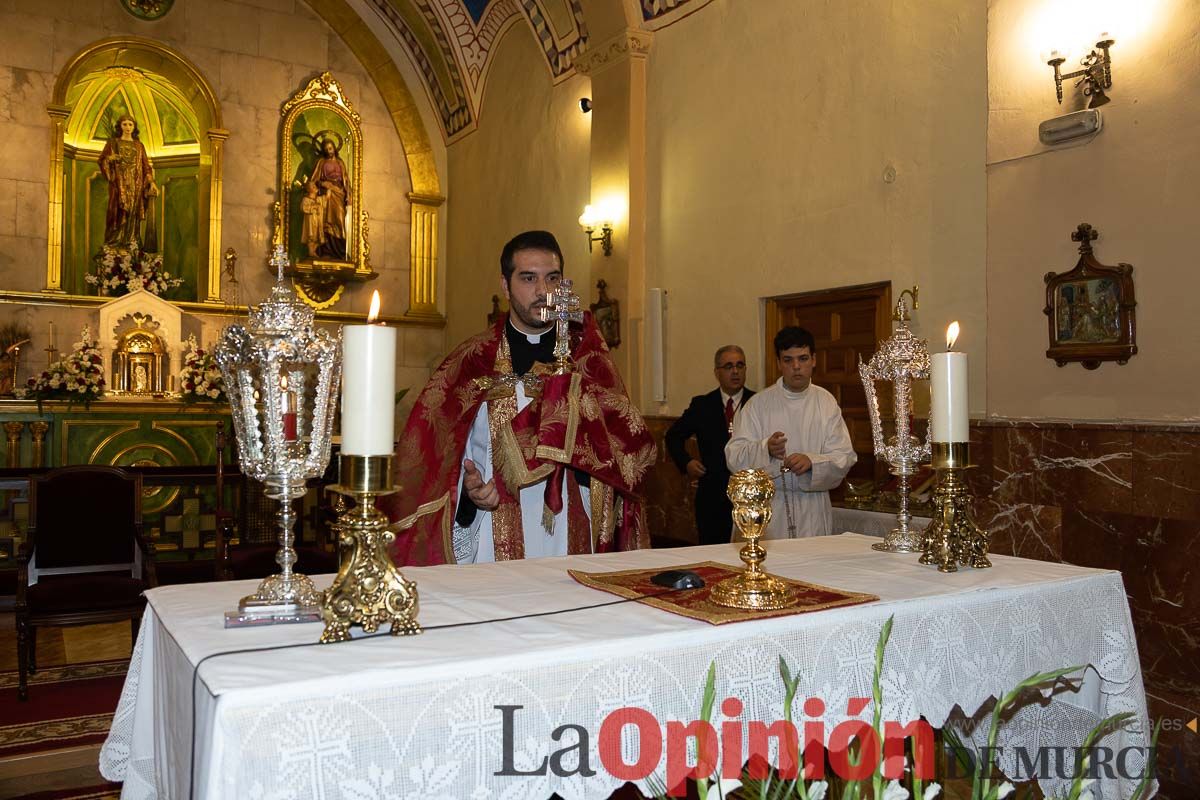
(951, 334)
(374, 313)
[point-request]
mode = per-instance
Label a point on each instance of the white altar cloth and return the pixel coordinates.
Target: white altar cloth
(871, 523)
(415, 716)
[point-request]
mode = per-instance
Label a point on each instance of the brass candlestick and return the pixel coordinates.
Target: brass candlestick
(368, 590)
(751, 491)
(953, 538)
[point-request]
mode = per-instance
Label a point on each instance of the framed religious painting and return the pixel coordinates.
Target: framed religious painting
(1090, 310)
(607, 313)
(319, 215)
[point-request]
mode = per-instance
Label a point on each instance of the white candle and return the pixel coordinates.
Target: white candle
(368, 387)
(948, 392)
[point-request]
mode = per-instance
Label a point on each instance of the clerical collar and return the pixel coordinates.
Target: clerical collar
(525, 349)
(532, 338)
(736, 397)
(789, 394)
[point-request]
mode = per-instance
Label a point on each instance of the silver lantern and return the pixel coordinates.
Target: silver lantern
(900, 359)
(282, 376)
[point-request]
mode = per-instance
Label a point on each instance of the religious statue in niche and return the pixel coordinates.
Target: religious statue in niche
(1090, 309)
(313, 208)
(330, 184)
(319, 217)
(131, 188)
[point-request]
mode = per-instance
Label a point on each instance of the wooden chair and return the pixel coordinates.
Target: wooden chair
(84, 560)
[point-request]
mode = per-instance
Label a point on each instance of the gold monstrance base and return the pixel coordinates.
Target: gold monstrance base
(953, 539)
(751, 491)
(368, 591)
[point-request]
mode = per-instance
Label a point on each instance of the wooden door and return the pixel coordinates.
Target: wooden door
(847, 323)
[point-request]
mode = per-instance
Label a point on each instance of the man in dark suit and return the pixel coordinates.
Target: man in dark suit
(710, 418)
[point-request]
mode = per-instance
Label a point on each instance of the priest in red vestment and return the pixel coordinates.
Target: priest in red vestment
(501, 459)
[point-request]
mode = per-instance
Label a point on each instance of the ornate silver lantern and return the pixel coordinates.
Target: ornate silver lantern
(282, 379)
(900, 359)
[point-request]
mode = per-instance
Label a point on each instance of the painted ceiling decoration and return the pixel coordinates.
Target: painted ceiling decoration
(659, 14)
(452, 42)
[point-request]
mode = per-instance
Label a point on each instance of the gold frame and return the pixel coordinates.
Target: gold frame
(426, 198)
(320, 282)
(172, 63)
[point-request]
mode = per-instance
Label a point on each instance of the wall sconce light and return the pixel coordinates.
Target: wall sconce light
(585, 104)
(1095, 77)
(589, 220)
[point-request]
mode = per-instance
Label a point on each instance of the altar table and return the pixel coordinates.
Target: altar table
(416, 716)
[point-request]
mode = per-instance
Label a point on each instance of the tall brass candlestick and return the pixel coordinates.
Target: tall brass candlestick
(368, 590)
(953, 538)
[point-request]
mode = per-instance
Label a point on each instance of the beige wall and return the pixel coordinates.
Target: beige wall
(1135, 182)
(254, 58)
(526, 167)
(770, 135)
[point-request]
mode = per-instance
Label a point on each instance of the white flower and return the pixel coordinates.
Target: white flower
(816, 791)
(213, 394)
(1004, 791)
(894, 791)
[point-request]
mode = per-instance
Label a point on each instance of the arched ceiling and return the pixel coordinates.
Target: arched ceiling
(452, 42)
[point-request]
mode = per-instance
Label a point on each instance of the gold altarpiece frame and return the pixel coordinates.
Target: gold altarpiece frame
(425, 200)
(135, 55)
(319, 214)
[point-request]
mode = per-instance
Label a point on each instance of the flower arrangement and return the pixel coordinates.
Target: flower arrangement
(768, 783)
(78, 376)
(119, 272)
(200, 379)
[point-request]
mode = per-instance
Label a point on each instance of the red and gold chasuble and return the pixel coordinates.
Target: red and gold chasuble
(583, 420)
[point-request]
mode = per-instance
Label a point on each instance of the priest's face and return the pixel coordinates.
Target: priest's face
(796, 367)
(536, 273)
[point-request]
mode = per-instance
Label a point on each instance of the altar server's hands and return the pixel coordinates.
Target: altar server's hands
(777, 445)
(485, 496)
(797, 463)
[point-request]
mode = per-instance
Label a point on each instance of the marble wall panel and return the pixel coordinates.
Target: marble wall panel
(1166, 469)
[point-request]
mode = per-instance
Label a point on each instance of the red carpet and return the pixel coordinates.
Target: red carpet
(107, 791)
(68, 706)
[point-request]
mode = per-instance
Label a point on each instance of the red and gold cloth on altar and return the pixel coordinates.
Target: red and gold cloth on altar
(695, 603)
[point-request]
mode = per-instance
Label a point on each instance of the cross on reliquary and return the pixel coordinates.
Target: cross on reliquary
(279, 261)
(563, 308)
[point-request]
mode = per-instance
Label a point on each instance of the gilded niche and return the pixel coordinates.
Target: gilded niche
(320, 220)
(136, 150)
(140, 360)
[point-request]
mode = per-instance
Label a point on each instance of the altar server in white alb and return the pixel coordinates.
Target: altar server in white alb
(794, 430)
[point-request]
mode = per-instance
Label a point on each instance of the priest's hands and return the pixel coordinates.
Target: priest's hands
(485, 496)
(695, 470)
(777, 445)
(797, 463)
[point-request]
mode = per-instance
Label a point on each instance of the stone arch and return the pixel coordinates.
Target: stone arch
(152, 57)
